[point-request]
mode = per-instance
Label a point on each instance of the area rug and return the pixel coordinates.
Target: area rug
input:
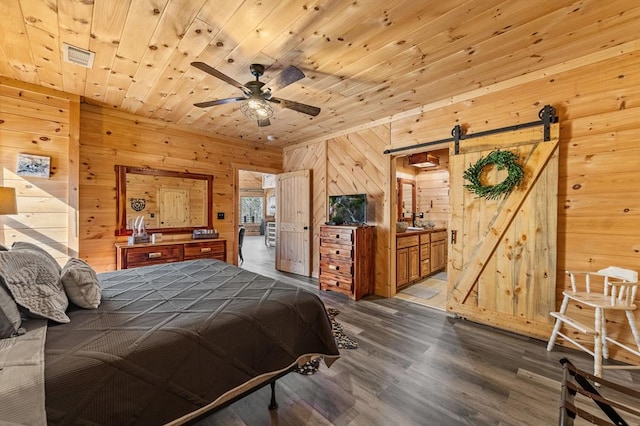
(342, 341)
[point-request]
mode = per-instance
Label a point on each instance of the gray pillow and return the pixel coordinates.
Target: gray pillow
(23, 245)
(10, 319)
(81, 283)
(33, 280)
(3, 248)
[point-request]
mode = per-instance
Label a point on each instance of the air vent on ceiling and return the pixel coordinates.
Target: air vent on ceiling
(78, 56)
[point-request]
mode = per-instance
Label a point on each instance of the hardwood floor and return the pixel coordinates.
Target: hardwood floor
(414, 366)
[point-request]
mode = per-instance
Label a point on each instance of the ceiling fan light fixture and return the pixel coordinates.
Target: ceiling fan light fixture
(256, 109)
(423, 159)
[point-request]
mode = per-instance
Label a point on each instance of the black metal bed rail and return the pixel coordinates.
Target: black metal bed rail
(576, 381)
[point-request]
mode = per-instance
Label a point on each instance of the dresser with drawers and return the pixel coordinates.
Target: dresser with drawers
(346, 260)
(132, 256)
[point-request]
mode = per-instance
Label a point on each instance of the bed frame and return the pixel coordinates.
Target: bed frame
(612, 404)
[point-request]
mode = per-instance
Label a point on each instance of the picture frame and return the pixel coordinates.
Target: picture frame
(268, 181)
(33, 165)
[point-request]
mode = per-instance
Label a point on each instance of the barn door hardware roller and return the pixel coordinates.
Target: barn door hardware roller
(547, 115)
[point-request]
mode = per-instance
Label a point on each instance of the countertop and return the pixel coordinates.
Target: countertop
(409, 233)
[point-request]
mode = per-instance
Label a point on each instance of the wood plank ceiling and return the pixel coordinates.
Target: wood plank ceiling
(363, 60)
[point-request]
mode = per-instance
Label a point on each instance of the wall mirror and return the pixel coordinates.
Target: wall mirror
(406, 199)
(170, 202)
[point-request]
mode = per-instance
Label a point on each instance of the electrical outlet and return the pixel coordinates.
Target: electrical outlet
(220, 215)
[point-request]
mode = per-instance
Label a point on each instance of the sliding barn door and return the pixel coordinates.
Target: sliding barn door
(293, 222)
(502, 268)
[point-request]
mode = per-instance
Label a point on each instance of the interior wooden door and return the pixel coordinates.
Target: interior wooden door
(173, 207)
(293, 222)
(502, 253)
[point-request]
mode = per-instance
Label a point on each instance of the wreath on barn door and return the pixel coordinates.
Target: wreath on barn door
(503, 160)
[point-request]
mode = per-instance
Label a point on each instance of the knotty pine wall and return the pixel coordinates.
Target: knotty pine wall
(432, 191)
(598, 103)
(350, 164)
(599, 167)
(40, 121)
(432, 187)
(110, 137)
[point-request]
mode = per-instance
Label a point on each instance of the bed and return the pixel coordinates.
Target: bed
(170, 342)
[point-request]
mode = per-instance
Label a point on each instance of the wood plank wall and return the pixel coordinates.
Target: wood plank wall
(40, 121)
(111, 137)
(599, 176)
(432, 187)
(351, 164)
(599, 171)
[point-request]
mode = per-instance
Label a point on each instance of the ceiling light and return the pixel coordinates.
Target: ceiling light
(423, 159)
(256, 109)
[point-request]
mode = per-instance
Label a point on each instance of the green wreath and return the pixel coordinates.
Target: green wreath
(502, 159)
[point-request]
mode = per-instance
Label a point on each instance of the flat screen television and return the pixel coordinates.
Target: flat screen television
(348, 209)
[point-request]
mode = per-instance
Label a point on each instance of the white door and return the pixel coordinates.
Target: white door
(293, 222)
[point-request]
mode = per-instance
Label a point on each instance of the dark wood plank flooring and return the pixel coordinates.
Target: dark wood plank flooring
(414, 366)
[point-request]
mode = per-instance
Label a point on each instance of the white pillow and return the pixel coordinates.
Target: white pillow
(81, 284)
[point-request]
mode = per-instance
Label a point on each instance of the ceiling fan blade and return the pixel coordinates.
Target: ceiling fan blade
(288, 75)
(297, 106)
(214, 72)
(264, 122)
(217, 102)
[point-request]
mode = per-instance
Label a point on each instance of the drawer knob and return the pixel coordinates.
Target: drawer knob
(205, 250)
(337, 252)
(337, 235)
(155, 255)
(334, 267)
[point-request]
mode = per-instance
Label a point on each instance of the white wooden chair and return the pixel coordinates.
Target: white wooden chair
(619, 292)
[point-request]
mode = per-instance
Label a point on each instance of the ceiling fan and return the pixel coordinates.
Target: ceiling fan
(256, 100)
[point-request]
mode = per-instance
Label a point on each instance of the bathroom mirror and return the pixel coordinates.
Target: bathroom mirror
(406, 199)
(170, 202)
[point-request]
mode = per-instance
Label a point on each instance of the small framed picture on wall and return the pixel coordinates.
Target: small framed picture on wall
(33, 165)
(268, 181)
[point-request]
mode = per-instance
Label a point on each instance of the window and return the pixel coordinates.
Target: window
(251, 209)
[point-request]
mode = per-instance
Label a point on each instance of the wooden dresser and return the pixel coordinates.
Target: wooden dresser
(132, 256)
(346, 260)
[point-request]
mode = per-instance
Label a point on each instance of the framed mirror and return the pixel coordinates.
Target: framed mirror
(406, 200)
(170, 202)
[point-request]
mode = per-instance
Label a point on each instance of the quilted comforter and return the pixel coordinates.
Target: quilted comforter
(171, 339)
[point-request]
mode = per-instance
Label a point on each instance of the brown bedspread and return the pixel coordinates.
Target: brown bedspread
(170, 339)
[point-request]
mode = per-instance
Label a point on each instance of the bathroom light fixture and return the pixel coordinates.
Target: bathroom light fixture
(423, 159)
